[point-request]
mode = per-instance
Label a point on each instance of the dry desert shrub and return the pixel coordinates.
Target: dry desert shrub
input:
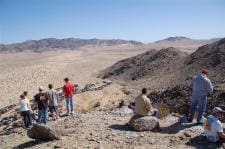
(163, 110)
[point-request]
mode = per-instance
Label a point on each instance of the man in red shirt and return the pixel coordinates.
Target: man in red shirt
(68, 89)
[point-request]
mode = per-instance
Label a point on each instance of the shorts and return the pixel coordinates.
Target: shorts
(53, 109)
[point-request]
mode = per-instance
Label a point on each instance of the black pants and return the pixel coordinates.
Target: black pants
(27, 118)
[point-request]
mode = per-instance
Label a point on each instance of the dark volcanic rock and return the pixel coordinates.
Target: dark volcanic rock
(178, 99)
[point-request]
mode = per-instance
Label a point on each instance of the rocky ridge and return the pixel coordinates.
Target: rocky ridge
(170, 67)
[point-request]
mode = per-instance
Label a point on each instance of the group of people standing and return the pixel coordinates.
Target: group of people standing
(48, 100)
(201, 86)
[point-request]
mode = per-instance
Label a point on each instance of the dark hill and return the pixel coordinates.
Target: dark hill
(172, 39)
(148, 64)
(170, 67)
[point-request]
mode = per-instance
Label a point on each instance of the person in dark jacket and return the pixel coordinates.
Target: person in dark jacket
(42, 102)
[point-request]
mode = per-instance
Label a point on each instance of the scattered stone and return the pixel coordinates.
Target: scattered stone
(121, 104)
(123, 111)
(187, 134)
(98, 104)
(7, 108)
(57, 146)
(181, 137)
(17, 124)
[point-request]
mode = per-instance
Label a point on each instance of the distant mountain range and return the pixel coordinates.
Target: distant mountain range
(50, 44)
(182, 43)
(184, 40)
(68, 43)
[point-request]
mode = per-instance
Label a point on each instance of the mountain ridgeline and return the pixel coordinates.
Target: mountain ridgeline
(169, 67)
(69, 43)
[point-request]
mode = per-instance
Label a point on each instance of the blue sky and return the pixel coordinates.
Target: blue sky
(142, 20)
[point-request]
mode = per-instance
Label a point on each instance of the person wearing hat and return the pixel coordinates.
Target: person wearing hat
(201, 87)
(42, 101)
(213, 127)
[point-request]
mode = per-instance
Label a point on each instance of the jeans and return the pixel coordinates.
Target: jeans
(26, 118)
(69, 104)
(199, 102)
(43, 116)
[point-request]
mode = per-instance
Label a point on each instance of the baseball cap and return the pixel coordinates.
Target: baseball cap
(205, 71)
(217, 109)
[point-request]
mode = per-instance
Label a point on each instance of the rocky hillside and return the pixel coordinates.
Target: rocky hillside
(148, 64)
(108, 129)
(170, 67)
(69, 43)
(210, 56)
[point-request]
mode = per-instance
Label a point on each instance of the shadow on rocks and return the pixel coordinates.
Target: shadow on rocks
(124, 127)
(64, 115)
(174, 128)
(28, 144)
(200, 142)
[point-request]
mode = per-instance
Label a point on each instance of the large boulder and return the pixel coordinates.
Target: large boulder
(45, 133)
(146, 123)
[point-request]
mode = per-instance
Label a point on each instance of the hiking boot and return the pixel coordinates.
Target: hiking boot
(190, 120)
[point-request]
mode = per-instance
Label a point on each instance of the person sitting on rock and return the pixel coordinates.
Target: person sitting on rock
(143, 105)
(213, 127)
(42, 102)
(53, 98)
(201, 87)
(25, 111)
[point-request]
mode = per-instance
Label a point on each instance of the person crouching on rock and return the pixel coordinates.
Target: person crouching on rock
(201, 87)
(25, 111)
(53, 98)
(213, 127)
(143, 105)
(42, 102)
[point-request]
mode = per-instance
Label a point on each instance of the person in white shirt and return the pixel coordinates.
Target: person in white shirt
(25, 111)
(213, 127)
